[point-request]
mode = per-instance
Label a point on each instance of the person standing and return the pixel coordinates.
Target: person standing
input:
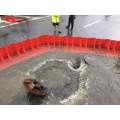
(56, 23)
(70, 22)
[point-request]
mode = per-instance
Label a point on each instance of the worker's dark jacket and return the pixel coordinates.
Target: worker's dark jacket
(71, 17)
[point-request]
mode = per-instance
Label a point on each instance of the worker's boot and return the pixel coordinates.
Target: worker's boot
(67, 27)
(59, 32)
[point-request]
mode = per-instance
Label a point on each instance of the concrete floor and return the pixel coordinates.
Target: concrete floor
(101, 73)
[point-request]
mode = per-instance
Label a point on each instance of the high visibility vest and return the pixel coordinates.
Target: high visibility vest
(55, 18)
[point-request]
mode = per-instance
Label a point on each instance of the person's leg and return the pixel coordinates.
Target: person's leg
(72, 25)
(69, 32)
(55, 29)
(68, 24)
(58, 28)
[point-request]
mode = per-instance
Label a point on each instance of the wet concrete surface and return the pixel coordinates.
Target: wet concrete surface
(98, 79)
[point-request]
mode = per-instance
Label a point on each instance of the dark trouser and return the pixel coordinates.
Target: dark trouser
(70, 23)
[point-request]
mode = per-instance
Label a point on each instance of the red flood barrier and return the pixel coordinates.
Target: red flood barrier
(20, 51)
(12, 19)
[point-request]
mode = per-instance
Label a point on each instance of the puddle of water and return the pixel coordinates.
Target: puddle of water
(62, 83)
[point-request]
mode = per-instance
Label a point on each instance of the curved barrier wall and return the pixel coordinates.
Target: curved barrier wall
(17, 52)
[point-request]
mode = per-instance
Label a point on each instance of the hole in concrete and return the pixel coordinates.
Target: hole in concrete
(74, 64)
(77, 64)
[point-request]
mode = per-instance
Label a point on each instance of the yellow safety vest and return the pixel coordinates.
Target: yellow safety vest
(55, 18)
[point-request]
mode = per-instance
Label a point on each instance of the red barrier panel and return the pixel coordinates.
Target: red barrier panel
(11, 51)
(12, 19)
(17, 52)
(3, 54)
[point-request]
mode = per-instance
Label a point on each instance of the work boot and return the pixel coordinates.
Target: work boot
(67, 27)
(59, 32)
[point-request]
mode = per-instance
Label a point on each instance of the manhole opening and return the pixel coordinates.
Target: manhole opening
(75, 63)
